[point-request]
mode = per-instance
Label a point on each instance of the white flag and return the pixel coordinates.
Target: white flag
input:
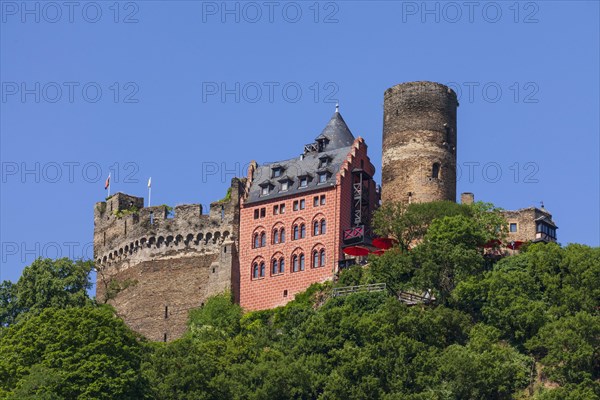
(150, 182)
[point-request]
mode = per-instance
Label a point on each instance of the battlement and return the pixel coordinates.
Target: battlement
(122, 225)
(156, 263)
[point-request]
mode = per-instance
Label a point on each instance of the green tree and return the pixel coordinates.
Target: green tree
(587, 390)
(485, 368)
(441, 265)
(8, 303)
(71, 353)
(219, 315)
(508, 298)
(408, 223)
(569, 348)
(393, 267)
(46, 283)
(184, 369)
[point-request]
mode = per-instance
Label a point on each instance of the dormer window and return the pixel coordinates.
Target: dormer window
(323, 176)
(277, 171)
(324, 161)
(303, 181)
(265, 188)
(285, 183)
(321, 144)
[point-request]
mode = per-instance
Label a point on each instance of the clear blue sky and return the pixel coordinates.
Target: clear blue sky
(529, 100)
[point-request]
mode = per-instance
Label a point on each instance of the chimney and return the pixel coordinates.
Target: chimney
(467, 198)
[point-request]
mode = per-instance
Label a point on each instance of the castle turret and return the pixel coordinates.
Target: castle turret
(419, 143)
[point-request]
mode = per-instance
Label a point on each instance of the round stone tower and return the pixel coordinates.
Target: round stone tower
(419, 143)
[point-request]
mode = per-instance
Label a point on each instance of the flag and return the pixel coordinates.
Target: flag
(149, 182)
(107, 183)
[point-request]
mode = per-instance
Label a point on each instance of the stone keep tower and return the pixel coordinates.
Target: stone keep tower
(419, 143)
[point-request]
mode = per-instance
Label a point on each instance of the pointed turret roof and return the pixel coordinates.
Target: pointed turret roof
(337, 132)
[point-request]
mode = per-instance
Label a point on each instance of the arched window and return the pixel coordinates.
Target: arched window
(302, 262)
(256, 241)
(262, 269)
(282, 235)
(302, 231)
(295, 264)
(323, 258)
(263, 239)
(275, 267)
(435, 170)
(281, 265)
(255, 271)
(323, 227)
(275, 236)
(296, 234)
(315, 259)
(315, 228)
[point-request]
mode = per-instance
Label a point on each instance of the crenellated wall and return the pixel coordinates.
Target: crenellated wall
(156, 263)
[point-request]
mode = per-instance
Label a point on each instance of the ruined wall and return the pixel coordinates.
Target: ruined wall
(155, 264)
(419, 132)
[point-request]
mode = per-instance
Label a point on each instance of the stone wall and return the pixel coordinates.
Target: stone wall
(419, 131)
(525, 220)
(154, 264)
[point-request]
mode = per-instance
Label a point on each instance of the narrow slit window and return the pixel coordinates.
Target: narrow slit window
(435, 171)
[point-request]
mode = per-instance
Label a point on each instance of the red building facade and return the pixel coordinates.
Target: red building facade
(295, 212)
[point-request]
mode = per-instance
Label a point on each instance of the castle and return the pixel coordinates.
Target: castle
(287, 224)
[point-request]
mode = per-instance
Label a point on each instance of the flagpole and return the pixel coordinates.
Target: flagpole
(149, 191)
(108, 185)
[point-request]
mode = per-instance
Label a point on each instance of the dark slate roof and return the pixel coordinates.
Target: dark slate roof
(547, 220)
(340, 144)
(307, 165)
(337, 133)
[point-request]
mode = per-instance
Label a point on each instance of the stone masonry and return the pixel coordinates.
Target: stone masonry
(154, 264)
(419, 143)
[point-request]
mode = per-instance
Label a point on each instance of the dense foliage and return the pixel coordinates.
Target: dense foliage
(524, 327)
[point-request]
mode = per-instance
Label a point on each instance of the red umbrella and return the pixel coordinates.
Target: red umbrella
(515, 244)
(378, 252)
(384, 243)
(356, 251)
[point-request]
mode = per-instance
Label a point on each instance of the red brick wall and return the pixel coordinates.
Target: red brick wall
(345, 183)
(268, 292)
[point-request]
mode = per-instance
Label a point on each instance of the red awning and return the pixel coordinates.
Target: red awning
(492, 243)
(384, 243)
(356, 251)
